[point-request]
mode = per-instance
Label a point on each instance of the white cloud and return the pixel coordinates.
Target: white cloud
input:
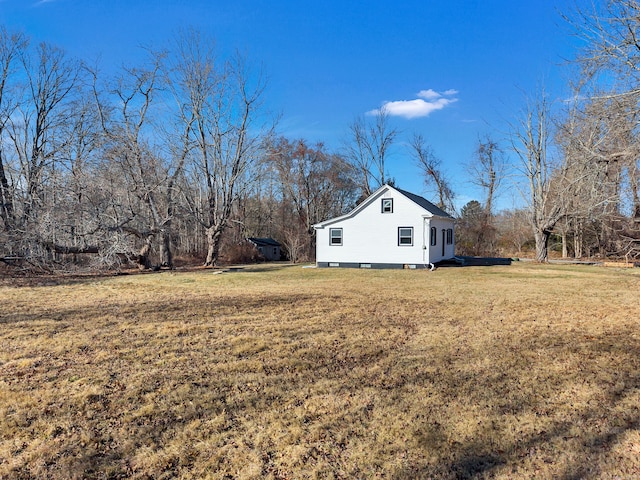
(428, 101)
(429, 94)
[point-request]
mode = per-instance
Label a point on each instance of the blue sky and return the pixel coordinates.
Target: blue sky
(449, 70)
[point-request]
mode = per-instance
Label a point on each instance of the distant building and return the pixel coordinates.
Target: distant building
(269, 248)
(392, 228)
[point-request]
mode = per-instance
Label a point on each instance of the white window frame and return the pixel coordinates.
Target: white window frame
(331, 237)
(401, 236)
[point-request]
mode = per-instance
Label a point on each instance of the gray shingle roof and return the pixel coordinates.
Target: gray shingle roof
(264, 242)
(424, 203)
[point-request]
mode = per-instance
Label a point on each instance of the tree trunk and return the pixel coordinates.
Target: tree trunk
(542, 245)
(166, 257)
(6, 200)
(577, 242)
(143, 260)
(213, 246)
(565, 252)
(73, 250)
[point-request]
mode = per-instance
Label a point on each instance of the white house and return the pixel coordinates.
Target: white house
(390, 229)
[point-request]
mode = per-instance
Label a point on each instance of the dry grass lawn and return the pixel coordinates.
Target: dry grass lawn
(281, 372)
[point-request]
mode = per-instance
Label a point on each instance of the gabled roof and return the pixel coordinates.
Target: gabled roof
(263, 242)
(417, 199)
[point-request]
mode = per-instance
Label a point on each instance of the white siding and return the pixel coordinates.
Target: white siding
(370, 236)
(435, 252)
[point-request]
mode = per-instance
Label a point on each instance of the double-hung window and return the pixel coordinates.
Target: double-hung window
(335, 236)
(405, 236)
(449, 236)
(387, 205)
(433, 236)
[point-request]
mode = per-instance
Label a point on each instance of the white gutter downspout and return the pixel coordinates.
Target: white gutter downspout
(424, 241)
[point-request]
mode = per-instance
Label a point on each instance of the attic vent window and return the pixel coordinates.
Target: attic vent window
(405, 236)
(387, 205)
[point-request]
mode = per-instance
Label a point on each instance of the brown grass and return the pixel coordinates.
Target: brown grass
(504, 372)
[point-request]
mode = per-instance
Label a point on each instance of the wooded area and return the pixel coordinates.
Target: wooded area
(178, 157)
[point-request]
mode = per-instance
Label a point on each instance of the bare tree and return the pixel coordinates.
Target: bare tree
(75, 209)
(51, 79)
(33, 140)
(609, 30)
(601, 153)
(530, 140)
(222, 103)
(12, 47)
(610, 77)
(431, 169)
(367, 149)
(134, 146)
(514, 230)
(488, 169)
(315, 185)
(260, 204)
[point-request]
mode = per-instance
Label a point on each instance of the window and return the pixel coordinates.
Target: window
(449, 236)
(387, 205)
(335, 236)
(434, 236)
(405, 236)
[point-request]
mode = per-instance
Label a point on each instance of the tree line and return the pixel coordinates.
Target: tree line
(177, 156)
(576, 160)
